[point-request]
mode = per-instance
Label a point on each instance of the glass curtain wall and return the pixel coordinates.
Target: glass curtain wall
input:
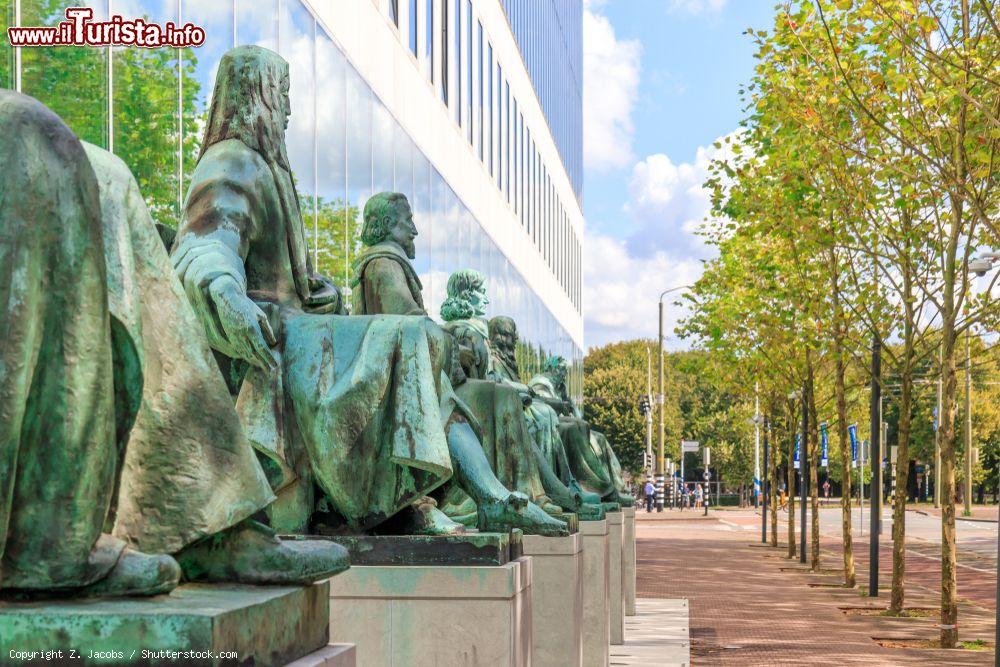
(148, 106)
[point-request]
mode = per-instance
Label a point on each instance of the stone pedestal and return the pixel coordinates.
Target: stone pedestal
(556, 600)
(616, 582)
(628, 564)
(331, 655)
(596, 620)
(258, 625)
(434, 615)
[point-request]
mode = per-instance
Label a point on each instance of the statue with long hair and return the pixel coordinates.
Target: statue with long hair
(354, 416)
(115, 413)
(491, 487)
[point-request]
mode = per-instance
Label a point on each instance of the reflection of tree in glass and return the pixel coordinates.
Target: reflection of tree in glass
(338, 236)
(6, 52)
(73, 82)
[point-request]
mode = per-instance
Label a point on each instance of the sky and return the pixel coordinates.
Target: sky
(661, 86)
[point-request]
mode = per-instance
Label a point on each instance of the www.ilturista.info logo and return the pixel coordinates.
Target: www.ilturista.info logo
(79, 30)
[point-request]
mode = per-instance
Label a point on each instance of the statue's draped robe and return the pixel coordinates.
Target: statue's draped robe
(543, 427)
(586, 451)
(384, 281)
(358, 408)
(188, 469)
(499, 407)
(58, 444)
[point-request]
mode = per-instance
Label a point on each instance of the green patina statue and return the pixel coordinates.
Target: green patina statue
(543, 424)
(592, 461)
(385, 282)
(355, 416)
(498, 407)
(115, 418)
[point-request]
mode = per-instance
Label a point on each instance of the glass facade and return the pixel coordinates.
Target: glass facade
(148, 106)
(549, 34)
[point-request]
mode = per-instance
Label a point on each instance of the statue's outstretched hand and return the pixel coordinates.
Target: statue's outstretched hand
(245, 324)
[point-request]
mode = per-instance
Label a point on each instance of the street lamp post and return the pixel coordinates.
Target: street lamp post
(804, 473)
(659, 399)
(765, 481)
(756, 444)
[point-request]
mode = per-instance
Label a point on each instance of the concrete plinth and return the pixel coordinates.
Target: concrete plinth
(331, 655)
(556, 600)
(628, 564)
(435, 615)
(596, 603)
(616, 582)
(196, 624)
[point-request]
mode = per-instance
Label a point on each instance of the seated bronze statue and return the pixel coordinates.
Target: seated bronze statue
(114, 413)
(592, 460)
(355, 416)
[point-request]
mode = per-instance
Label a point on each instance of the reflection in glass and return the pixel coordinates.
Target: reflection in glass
(296, 41)
(359, 143)
(71, 81)
(145, 120)
(256, 24)
(198, 71)
(414, 27)
(423, 217)
(383, 130)
(6, 52)
(336, 235)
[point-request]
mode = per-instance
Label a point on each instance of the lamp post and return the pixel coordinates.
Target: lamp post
(875, 413)
(765, 483)
(804, 472)
(979, 266)
(756, 444)
(659, 398)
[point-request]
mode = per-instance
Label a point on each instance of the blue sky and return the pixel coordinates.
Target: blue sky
(661, 85)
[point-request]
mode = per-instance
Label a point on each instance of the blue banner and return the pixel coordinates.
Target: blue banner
(824, 440)
(852, 431)
(934, 412)
(798, 441)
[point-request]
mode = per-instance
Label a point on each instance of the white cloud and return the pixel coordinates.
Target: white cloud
(621, 291)
(625, 276)
(669, 201)
(610, 89)
(696, 6)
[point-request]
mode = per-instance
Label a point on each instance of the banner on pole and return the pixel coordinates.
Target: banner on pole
(852, 431)
(798, 442)
(824, 439)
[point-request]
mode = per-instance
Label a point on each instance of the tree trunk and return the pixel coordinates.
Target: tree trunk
(813, 453)
(843, 437)
(899, 504)
(791, 485)
(949, 582)
(772, 487)
(847, 531)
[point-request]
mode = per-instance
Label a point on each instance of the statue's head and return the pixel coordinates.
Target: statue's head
(503, 333)
(466, 296)
(557, 369)
(250, 102)
(388, 218)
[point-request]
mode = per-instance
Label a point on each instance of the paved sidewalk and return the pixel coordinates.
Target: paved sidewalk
(751, 606)
(656, 635)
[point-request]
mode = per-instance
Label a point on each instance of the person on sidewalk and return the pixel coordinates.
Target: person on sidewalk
(650, 494)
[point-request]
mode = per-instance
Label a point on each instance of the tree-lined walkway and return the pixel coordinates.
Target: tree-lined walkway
(749, 605)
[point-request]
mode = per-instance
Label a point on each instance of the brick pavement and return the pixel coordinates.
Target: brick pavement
(751, 606)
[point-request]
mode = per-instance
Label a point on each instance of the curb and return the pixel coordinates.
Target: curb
(957, 518)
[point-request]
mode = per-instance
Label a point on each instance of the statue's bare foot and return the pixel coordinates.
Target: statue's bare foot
(137, 574)
(515, 511)
(585, 496)
(426, 519)
(590, 512)
(250, 553)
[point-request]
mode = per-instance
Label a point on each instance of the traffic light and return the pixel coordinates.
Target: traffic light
(644, 404)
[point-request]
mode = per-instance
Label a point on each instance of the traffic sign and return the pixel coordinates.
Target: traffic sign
(707, 475)
(689, 446)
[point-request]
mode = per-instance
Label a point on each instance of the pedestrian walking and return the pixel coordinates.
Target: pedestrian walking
(650, 495)
(697, 496)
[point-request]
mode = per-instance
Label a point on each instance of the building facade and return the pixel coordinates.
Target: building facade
(471, 108)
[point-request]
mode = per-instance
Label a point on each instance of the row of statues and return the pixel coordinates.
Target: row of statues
(170, 404)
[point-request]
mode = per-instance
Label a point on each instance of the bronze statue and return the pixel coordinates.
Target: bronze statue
(385, 282)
